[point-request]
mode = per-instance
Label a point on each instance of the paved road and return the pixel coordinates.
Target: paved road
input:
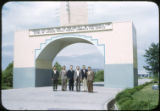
(142, 81)
(43, 98)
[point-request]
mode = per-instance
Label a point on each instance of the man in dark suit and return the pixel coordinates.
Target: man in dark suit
(84, 77)
(70, 75)
(55, 76)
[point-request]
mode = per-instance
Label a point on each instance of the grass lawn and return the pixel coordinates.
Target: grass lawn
(138, 98)
(148, 95)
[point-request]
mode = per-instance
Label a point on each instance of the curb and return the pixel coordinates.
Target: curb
(110, 104)
(116, 108)
(106, 103)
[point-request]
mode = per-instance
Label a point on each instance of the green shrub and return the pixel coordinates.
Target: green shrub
(139, 87)
(131, 91)
(128, 92)
(126, 100)
(123, 95)
(118, 96)
(121, 101)
(143, 105)
(127, 105)
(134, 105)
(140, 105)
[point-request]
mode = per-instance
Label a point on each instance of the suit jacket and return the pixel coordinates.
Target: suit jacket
(63, 74)
(76, 76)
(90, 76)
(70, 74)
(55, 76)
(84, 74)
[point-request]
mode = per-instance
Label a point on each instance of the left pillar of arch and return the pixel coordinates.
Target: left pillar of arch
(23, 65)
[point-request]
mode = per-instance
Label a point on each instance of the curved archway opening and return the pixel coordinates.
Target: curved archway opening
(43, 61)
(80, 54)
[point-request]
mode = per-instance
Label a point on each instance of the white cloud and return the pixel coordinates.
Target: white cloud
(18, 16)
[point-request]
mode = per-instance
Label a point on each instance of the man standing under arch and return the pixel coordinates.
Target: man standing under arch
(84, 77)
(78, 78)
(63, 74)
(55, 76)
(70, 75)
(90, 78)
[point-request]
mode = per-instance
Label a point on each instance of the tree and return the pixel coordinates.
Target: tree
(152, 59)
(99, 76)
(7, 77)
(58, 66)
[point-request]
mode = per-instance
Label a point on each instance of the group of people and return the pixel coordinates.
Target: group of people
(73, 77)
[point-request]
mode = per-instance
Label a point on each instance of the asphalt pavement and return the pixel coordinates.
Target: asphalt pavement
(44, 98)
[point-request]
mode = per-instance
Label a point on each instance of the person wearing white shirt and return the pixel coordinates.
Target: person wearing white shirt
(84, 78)
(78, 78)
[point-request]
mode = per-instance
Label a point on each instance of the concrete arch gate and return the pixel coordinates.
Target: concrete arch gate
(48, 51)
(35, 49)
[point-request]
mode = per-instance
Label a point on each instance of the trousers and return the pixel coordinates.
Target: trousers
(84, 83)
(64, 84)
(90, 85)
(55, 83)
(71, 84)
(78, 84)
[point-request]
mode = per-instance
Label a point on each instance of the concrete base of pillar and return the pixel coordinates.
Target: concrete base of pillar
(119, 76)
(24, 77)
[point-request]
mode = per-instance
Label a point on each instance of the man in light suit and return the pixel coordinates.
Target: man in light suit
(55, 76)
(78, 78)
(70, 75)
(90, 78)
(63, 74)
(84, 77)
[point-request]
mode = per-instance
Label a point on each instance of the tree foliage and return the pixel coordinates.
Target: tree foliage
(99, 76)
(152, 59)
(58, 66)
(7, 77)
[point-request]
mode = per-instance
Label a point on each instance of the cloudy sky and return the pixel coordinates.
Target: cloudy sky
(29, 15)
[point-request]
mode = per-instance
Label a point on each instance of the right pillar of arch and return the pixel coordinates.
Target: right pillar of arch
(120, 69)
